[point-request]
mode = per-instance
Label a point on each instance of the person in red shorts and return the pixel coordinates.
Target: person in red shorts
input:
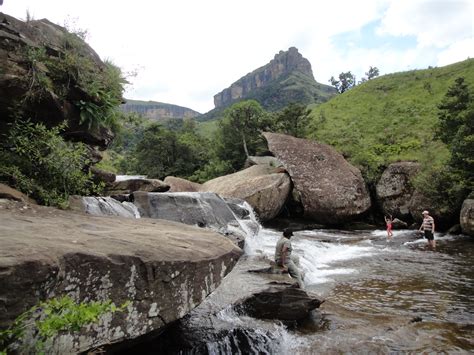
(388, 222)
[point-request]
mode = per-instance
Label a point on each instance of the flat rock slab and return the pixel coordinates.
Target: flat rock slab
(163, 268)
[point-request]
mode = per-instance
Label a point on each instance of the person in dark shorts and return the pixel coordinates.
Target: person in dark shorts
(428, 227)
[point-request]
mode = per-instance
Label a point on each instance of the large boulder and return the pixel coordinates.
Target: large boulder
(331, 190)
(163, 268)
(467, 217)
(394, 190)
(35, 78)
(177, 184)
(265, 190)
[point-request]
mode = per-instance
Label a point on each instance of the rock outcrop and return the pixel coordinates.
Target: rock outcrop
(330, 189)
(181, 185)
(6, 192)
(128, 186)
(163, 268)
(394, 190)
(158, 111)
(467, 217)
(30, 68)
(263, 189)
(285, 79)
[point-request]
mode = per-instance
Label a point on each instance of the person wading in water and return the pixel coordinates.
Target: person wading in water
(389, 222)
(283, 257)
(428, 227)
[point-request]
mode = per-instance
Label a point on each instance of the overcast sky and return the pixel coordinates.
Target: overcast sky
(186, 51)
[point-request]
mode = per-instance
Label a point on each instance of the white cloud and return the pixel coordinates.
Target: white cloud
(458, 51)
(434, 22)
(186, 51)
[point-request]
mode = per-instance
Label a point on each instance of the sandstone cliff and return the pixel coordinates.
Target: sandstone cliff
(158, 110)
(288, 77)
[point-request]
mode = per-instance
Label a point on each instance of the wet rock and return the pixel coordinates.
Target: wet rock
(394, 190)
(283, 303)
(265, 190)
(331, 190)
(456, 229)
(132, 185)
(103, 206)
(202, 209)
(163, 268)
(467, 217)
(236, 206)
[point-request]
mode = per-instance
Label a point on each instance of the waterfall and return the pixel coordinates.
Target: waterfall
(107, 206)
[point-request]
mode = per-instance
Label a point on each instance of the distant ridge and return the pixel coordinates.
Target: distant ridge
(157, 111)
(287, 78)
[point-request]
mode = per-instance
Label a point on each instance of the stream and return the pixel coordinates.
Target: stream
(381, 297)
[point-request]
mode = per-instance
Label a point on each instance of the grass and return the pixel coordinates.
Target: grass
(390, 118)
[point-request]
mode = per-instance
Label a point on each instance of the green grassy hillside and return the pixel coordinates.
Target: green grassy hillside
(389, 118)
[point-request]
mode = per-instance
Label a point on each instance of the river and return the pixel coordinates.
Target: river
(380, 297)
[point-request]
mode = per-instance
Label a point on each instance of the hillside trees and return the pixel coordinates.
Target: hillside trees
(346, 81)
(293, 120)
(450, 183)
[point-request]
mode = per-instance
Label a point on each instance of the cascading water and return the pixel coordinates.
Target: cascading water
(107, 206)
(376, 293)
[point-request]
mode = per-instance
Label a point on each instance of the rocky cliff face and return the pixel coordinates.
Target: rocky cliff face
(158, 110)
(41, 78)
(284, 69)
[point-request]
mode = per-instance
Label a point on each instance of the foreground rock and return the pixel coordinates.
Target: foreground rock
(259, 185)
(220, 326)
(394, 190)
(467, 217)
(163, 268)
(330, 189)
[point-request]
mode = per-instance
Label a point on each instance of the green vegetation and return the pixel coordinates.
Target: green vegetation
(34, 156)
(389, 118)
(39, 162)
(450, 183)
(54, 316)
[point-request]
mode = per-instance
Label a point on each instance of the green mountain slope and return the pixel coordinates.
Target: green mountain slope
(389, 118)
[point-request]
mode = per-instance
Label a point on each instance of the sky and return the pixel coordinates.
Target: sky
(184, 52)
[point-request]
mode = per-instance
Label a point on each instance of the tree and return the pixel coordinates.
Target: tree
(456, 128)
(346, 81)
(246, 119)
(372, 73)
(293, 119)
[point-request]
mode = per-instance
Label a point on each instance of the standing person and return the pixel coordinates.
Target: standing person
(283, 256)
(428, 227)
(389, 222)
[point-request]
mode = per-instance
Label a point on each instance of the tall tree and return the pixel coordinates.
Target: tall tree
(346, 81)
(456, 128)
(246, 119)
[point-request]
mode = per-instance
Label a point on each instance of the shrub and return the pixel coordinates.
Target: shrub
(37, 161)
